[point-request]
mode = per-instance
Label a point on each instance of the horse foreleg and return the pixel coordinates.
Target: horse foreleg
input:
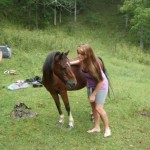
(71, 121)
(58, 105)
(61, 119)
(67, 106)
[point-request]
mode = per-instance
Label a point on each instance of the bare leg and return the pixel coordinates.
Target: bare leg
(99, 108)
(96, 120)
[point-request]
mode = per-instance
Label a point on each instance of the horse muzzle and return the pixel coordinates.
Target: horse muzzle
(71, 84)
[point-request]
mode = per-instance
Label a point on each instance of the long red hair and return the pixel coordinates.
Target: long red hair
(90, 62)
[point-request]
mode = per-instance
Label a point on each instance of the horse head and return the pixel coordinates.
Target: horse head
(62, 69)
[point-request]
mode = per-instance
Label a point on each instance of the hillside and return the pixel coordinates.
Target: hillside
(100, 24)
(128, 68)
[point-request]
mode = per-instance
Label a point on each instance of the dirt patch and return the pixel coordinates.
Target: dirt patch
(145, 114)
(22, 110)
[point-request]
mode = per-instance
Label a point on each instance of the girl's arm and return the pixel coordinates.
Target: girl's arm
(75, 61)
(92, 96)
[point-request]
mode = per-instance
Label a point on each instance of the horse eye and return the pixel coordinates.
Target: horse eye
(64, 66)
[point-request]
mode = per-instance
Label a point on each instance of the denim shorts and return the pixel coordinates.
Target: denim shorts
(100, 96)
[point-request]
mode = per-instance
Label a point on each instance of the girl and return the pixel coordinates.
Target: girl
(97, 86)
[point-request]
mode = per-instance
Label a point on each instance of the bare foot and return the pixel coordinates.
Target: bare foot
(94, 130)
(107, 133)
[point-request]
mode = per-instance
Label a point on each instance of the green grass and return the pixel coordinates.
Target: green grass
(130, 81)
(129, 72)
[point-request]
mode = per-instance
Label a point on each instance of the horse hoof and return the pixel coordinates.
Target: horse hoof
(59, 124)
(70, 127)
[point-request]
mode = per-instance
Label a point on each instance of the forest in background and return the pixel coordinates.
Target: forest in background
(40, 14)
(107, 28)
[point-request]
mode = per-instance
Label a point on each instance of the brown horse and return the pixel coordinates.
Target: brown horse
(61, 75)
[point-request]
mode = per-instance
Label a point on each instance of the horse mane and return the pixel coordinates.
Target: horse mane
(49, 62)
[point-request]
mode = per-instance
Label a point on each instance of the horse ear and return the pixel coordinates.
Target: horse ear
(66, 53)
(58, 57)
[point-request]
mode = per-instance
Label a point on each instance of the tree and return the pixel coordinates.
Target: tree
(4, 7)
(38, 13)
(138, 12)
(141, 25)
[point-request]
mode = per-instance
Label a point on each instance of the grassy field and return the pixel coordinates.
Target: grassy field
(130, 82)
(129, 72)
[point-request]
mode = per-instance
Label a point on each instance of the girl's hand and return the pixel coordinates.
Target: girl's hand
(92, 98)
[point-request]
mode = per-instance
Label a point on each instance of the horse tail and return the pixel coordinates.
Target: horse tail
(106, 74)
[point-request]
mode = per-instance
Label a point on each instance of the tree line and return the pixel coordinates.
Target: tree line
(41, 13)
(137, 19)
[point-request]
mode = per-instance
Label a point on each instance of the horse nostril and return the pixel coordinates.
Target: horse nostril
(71, 84)
(74, 84)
